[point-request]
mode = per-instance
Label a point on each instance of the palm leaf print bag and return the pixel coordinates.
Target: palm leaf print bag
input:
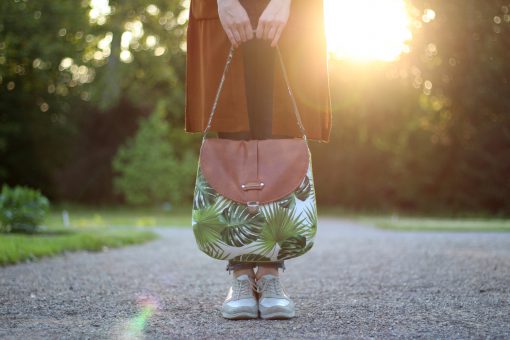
(254, 201)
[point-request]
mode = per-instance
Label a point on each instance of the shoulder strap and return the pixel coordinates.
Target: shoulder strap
(284, 72)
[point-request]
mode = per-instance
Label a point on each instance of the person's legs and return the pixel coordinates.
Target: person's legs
(259, 67)
(258, 58)
(265, 268)
(241, 301)
(259, 61)
(240, 268)
(271, 299)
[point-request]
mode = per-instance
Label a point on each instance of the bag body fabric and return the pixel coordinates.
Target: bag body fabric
(254, 201)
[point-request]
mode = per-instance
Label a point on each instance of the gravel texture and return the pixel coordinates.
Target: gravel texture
(357, 281)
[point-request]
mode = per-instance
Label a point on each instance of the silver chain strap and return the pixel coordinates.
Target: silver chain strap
(285, 76)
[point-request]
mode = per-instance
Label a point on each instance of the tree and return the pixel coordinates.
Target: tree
(155, 166)
(66, 63)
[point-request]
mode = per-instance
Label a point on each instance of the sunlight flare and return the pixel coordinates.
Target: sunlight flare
(367, 30)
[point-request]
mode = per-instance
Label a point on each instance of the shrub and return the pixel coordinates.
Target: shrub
(158, 164)
(22, 209)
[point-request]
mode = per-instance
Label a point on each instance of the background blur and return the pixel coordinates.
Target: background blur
(92, 102)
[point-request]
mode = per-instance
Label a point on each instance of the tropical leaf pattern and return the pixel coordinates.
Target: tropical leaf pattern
(242, 227)
(283, 229)
(204, 195)
(304, 189)
(251, 258)
(288, 202)
(292, 246)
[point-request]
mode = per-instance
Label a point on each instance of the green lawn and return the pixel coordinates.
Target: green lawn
(479, 223)
(81, 217)
(89, 228)
(84, 217)
(16, 247)
(437, 224)
(92, 228)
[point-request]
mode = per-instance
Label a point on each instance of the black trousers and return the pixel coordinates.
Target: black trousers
(258, 56)
(259, 65)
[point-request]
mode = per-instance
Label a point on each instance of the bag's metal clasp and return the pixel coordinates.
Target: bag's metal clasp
(253, 207)
(252, 186)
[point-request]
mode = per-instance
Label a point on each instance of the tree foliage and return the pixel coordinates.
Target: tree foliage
(65, 63)
(155, 166)
(429, 132)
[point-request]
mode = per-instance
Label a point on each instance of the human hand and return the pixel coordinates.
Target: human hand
(273, 20)
(235, 21)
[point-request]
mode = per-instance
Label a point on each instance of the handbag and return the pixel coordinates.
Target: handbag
(254, 200)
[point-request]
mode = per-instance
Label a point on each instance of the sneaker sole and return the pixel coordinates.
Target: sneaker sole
(240, 315)
(278, 315)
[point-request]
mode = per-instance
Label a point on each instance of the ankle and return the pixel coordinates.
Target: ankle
(264, 270)
(249, 272)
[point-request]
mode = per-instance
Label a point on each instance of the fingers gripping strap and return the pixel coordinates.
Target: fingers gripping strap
(285, 76)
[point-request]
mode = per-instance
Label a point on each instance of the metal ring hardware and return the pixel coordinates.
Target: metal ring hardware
(253, 207)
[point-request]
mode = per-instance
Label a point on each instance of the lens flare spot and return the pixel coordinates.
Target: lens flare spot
(134, 327)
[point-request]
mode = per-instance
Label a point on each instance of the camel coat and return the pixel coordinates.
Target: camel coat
(303, 48)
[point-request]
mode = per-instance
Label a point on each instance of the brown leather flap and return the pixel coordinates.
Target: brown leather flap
(268, 169)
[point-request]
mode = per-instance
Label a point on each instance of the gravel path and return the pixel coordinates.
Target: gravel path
(357, 281)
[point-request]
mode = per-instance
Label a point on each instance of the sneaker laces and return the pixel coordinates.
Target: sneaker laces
(243, 288)
(270, 286)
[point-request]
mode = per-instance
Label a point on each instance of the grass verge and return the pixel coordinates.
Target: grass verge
(81, 216)
(473, 222)
(439, 224)
(15, 248)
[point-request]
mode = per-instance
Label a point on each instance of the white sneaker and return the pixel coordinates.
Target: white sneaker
(241, 301)
(274, 302)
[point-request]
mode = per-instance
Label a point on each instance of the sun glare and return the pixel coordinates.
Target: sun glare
(367, 30)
